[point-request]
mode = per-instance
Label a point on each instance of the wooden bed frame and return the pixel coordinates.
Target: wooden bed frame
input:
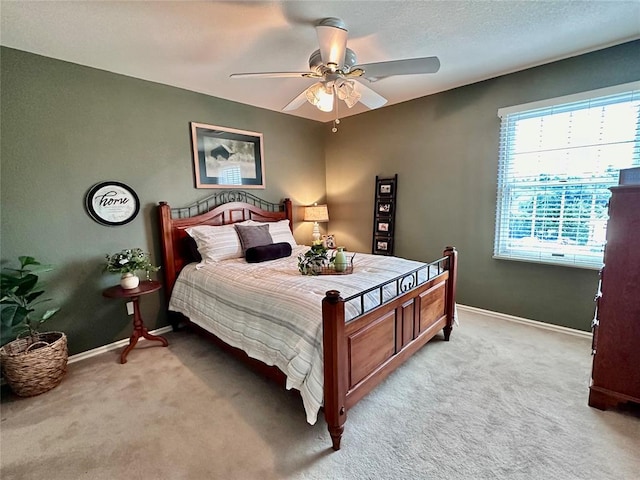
(358, 354)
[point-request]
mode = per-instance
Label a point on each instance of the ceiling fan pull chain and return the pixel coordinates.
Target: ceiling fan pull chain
(336, 121)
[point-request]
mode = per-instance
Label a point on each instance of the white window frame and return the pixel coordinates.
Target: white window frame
(539, 252)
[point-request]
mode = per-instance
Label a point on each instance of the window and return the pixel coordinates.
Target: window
(558, 159)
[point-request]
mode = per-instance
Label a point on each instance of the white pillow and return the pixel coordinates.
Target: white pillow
(216, 243)
(280, 231)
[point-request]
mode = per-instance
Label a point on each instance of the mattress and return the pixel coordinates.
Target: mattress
(274, 314)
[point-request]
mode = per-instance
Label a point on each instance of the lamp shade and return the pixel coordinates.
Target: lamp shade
(316, 213)
(321, 96)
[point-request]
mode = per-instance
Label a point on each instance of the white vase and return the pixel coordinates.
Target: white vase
(129, 281)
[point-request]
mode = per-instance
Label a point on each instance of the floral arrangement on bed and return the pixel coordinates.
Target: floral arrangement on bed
(312, 261)
(129, 260)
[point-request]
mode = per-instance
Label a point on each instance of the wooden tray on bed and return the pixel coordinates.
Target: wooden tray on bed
(332, 271)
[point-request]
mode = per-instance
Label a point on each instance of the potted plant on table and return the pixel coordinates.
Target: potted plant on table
(127, 263)
(32, 362)
(312, 261)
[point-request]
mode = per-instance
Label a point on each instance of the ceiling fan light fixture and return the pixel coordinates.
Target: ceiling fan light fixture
(320, 96)
(348, 93)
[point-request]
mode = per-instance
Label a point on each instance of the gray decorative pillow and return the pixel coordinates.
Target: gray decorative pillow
(253, 236)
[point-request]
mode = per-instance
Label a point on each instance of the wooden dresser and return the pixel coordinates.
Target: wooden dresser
(615, 376)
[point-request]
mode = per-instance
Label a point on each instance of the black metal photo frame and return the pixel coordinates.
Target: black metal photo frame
(386, 187)
(383, 246)
(383, 226)
(226, 158)
(384, 208)
(384, 215)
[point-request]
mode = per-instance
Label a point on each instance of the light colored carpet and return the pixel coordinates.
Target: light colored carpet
(500, 400)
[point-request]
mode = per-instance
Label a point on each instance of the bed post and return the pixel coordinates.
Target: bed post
(452, 254)
(168, 264)
(335, 365)
(288, 210)
(168, 260)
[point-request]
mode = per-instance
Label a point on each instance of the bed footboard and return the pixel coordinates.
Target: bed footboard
(361, 353)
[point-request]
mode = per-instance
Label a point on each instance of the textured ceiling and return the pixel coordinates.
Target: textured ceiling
(197, 45)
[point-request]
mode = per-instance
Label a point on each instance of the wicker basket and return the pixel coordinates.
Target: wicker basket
(34, 367)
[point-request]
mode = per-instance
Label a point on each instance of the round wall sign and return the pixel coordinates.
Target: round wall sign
(112, 203)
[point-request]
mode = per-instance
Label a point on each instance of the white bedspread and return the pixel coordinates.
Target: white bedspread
(273, 313)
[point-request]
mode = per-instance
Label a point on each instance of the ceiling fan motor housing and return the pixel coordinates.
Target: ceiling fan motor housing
(332, 22)
(316, 65)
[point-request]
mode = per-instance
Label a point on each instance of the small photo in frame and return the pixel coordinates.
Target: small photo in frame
(384, 207)
(382, 246)
(385, 188)
(383, 226)
(329, 240)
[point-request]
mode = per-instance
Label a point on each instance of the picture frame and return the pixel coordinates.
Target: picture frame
(384, 214)
(384, 226)
(226, 157)
(386, 187)
(384, 207)
(329, 241)
(383, 246)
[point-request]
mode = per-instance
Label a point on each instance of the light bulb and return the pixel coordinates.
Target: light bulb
(348, 93)
(325, 100)
(321, 96)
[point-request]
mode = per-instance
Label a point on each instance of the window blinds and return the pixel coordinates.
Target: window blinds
(556, 164)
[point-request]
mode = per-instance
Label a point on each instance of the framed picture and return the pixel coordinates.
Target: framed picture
(383, 245)
(383, 225)
(329, 240)
(386, 187)
(226, 158)
(384, 207)
(384, 215)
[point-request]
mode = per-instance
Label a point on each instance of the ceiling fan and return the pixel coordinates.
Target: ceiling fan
(334, 66)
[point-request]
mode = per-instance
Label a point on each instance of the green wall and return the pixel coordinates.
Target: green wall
(444, 148)
(66, 127)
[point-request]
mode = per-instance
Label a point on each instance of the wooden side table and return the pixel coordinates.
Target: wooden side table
(139, 330)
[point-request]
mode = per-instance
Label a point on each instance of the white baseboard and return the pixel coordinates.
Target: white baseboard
(525, 321)
(112, 346)
(478, 311)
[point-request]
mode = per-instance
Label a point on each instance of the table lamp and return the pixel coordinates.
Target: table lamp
(316, 213)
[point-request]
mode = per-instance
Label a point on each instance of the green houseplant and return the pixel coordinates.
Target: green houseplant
(317, 261)
(127, 263)
(312, 261)
(33, 362)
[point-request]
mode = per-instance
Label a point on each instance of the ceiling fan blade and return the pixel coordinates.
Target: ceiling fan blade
(332, 39)
(370, 98)
(275, 75)
(376, 71)
(298, 101)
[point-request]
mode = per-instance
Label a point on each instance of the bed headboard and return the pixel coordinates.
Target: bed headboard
(222, 208)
